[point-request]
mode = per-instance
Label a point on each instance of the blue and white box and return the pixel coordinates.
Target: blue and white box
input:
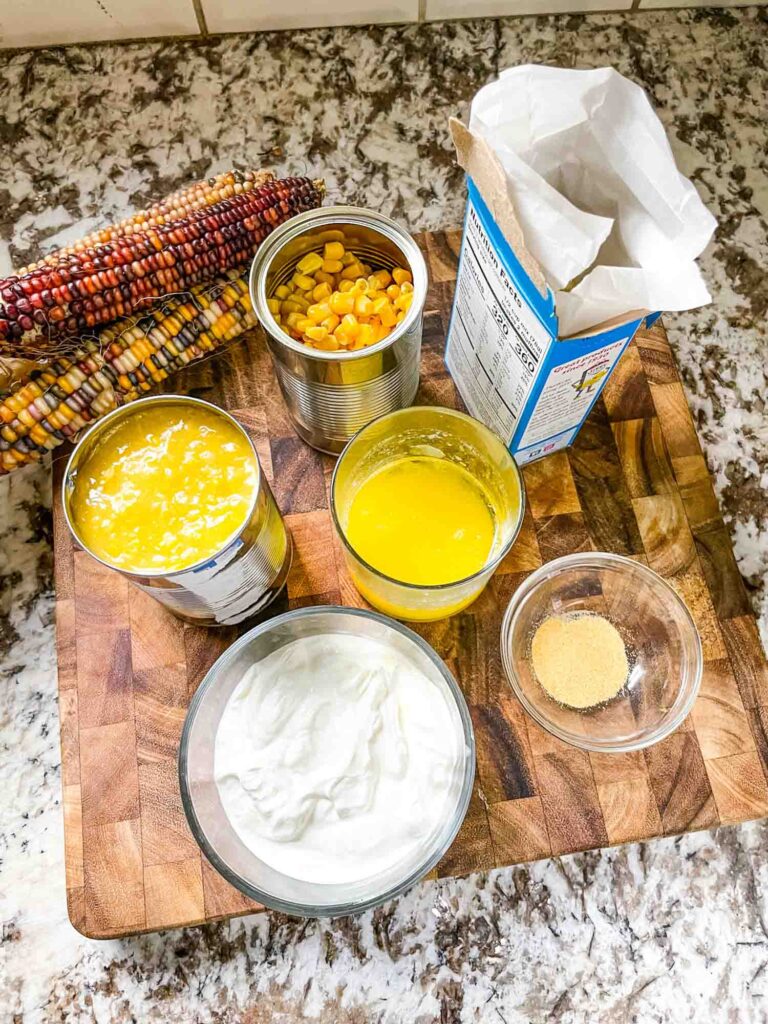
(503, 351)
(578, 227)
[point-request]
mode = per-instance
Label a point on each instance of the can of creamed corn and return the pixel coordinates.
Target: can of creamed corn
(227, 586)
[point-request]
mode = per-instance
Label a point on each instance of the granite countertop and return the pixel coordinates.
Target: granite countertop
(674, 930)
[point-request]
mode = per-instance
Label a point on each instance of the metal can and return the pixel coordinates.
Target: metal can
(227, 587)
(331, 395)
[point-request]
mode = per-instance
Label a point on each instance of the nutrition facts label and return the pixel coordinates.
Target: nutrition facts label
(496, 343)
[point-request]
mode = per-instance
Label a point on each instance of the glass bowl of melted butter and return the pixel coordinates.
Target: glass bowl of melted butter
(427, 501)
(601, 652)
(326, 761)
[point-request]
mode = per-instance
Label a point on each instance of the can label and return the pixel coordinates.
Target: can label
(236, 584)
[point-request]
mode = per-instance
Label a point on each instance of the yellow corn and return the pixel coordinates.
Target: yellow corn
(336, 300)
(303, 281)
(342, 302)
(333, 250)
(317, 333)
(310, 263)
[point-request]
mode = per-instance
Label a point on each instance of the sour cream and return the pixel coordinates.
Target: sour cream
(336, 759)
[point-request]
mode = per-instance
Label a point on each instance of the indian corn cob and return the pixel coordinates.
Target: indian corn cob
(175, 206)
(62, 398)
(50, 308)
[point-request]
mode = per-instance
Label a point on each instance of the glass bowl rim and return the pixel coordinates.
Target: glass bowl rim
(601, 560)
(489, 567)
(416, 874)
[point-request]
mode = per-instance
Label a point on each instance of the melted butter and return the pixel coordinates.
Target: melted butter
(167, 488)
(422, 520)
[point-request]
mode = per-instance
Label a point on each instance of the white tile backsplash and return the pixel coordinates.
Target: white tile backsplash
(53, 22)
(252, 15)
(647, 4)
(48, 22)
(440, 9)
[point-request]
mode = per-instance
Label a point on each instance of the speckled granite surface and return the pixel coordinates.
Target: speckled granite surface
(675, 930)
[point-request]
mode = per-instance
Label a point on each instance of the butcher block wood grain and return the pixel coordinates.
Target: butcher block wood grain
(635, 482)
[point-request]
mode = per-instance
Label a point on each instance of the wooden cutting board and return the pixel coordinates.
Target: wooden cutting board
(635, 483)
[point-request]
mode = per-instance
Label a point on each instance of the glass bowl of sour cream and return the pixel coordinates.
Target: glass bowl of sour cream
(326, 761)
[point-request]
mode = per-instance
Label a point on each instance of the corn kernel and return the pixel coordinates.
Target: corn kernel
(380, 279)
(352, 271)
(367, 268)
(282, 291)
(300, 301)
(331, 322)
(316, 332)
(273, 305)
(363, 305)
(332, 235)
(304, 324)
(346, 286)
(332, 266)
(404, 301)
(383, 309)
(333, 251)
(293, 320)
(366, 335)
(360, 286)
(347, 258)
(323, 278)
(310, 263)
(329, 344)
(400, 316)
(319, 311)
(401, 275)
(303, 282)
(393, 291)
(406, 286)
(342, 302)
(350, 325)
(291, 306)
(321, 291)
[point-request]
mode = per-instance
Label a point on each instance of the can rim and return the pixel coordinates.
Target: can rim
(330, 215)
(490, 566)
(127, 409)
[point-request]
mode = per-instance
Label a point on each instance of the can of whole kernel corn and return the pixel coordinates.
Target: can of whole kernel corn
(226, 586)
(331, 395)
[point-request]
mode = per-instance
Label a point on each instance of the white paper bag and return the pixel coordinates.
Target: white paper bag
(596, 192)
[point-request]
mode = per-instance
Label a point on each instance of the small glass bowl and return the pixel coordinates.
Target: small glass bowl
(209, 822)
(451, 435)
(662, 644)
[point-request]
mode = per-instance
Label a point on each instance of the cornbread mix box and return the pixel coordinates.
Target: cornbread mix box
(578, 228)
